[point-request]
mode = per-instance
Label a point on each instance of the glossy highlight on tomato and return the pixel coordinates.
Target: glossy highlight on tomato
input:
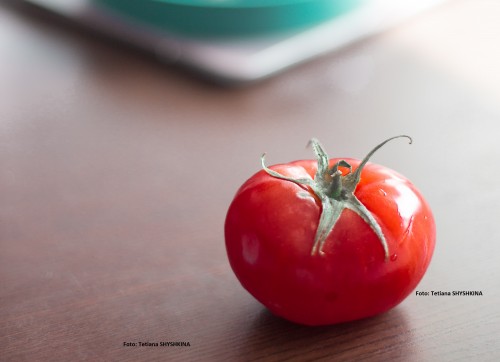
(327, 241)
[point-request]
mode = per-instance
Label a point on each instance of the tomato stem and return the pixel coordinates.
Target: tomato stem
(336, 193)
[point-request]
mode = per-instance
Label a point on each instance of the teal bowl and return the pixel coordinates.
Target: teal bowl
(228, 18)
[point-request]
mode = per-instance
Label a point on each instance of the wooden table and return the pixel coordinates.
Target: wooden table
(116, 172)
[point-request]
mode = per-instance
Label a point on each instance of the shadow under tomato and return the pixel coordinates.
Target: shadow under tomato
(384, 336)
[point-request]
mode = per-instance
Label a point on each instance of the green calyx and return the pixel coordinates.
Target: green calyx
(336, 193)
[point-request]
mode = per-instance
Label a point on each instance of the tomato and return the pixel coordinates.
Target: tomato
(329, 240)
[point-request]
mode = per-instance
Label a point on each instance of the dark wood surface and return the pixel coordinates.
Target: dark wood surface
(116, 173)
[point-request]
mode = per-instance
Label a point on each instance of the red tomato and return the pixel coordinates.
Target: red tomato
(328, 241)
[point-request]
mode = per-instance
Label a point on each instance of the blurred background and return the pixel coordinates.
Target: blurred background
(122, 145)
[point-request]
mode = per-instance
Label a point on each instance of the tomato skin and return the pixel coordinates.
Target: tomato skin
(270, 228)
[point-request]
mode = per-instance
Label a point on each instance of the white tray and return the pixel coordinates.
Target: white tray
(252, 58)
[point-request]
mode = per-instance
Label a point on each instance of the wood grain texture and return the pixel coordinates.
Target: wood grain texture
(116, 173)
